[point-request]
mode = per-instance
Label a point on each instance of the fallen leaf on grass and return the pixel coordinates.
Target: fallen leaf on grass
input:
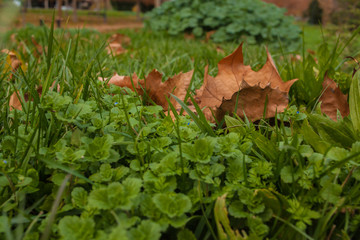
(252, 101)
(12, 61)
(158, 90)
(333, 100)
(115, 48)
(208, 35)
(120, 38)
(189, 36)
(126, 81)
(38, 51)
(15, 102)
(116, 42)
(238, 81)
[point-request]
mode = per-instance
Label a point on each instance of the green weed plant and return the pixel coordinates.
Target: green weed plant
(89, 161)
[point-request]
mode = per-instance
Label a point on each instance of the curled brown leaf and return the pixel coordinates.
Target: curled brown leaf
(236, 79)
(333, 100)
(158, 90)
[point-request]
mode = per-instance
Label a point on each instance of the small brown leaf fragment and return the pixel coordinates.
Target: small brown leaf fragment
(120, 38)
(12, 62)
(233, 79)
(15, 102)
(209, 34)
(126, 81)
(38, 51)
(333, 99)
(189, 36)
(115, 49)
(116, 42)
(219, 50)
(158, 90)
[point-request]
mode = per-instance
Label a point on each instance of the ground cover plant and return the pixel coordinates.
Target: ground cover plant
(85, 159)
(254, 20)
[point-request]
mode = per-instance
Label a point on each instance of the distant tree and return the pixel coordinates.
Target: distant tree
(74, 6)
(315, 12)
(138, 9)
(59, 17)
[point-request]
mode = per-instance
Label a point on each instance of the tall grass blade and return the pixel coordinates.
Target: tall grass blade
(354, 102)
(200, 121)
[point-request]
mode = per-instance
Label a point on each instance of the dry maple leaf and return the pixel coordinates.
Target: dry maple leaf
(248, 98)
(158, 90)
(333, 100)
(236, 79)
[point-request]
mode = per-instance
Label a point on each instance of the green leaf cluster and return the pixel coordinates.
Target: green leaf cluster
(232, 20)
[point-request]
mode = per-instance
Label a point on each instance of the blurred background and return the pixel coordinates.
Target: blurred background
(107, 15)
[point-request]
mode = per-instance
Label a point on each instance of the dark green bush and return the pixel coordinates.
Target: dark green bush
(315, 12)
(232, 19)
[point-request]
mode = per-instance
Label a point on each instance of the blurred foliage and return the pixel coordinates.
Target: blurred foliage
(233, 20)
(347, 14)
(315, 12)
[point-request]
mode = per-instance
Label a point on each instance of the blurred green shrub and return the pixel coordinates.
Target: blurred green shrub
(315, 12)
(347, 14)
(232, 19)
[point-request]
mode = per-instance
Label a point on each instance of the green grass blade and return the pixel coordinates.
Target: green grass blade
(53, 164)
(201, 123)
(354, 102)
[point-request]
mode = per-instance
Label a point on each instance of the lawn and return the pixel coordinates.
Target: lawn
(84, 159)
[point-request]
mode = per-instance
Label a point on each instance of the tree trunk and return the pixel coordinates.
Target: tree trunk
(67, 8)
(157, 3)
(46, 4)
(74, 6)
(29, 4)
(97, 5)
(138, 10)
(105, 8)
(23, 12)
(108, 4)
(59, 18)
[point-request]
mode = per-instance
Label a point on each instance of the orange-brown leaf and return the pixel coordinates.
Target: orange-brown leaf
(248, 100)
(125, 81)
(12, 62)
(119, 38)
(116, 42)
(234, 77)
(15, 102)
(158, 90)
(333, 100)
